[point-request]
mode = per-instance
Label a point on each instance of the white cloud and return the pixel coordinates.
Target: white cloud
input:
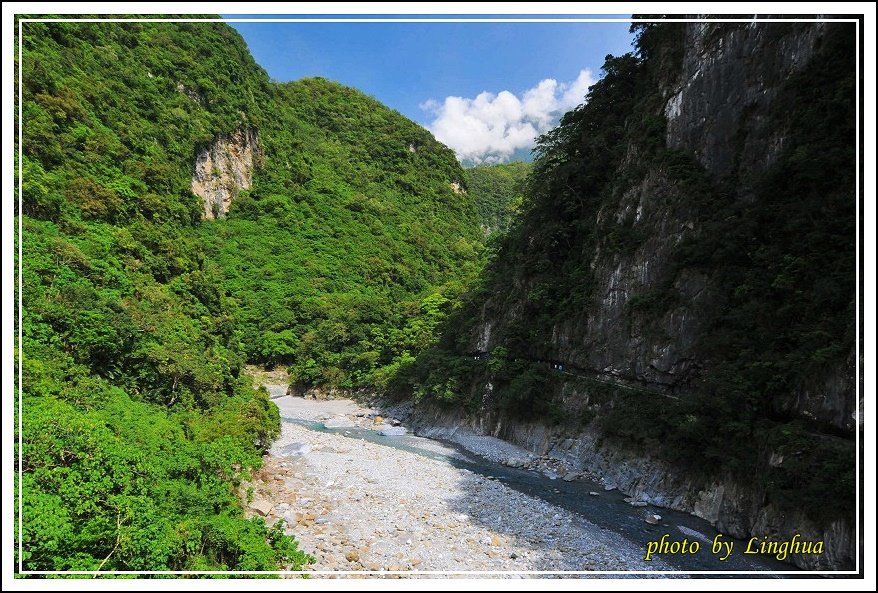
(492, 126)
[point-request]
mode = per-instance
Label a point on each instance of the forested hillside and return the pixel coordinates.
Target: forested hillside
(138, 315)
(343, 255)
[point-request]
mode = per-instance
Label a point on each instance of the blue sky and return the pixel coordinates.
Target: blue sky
(450, 77)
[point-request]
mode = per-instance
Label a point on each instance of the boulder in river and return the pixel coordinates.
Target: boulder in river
(653, 519)
(392, 431)
(261, 506)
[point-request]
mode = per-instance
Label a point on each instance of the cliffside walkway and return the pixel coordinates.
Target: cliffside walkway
(591, 376)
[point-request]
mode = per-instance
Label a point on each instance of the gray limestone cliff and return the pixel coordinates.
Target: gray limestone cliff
(718, 106)
(223, 168)
(717, 109)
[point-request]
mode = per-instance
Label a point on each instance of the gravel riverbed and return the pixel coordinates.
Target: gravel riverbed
(361, 505)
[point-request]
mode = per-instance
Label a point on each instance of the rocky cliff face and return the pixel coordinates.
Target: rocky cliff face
(718, 106)
(717, 110)
(612, 339)
(223, 168)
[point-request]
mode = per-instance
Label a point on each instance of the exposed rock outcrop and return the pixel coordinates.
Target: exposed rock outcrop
(717, 108)
(192, 93)
(730, 74)
(225, 167)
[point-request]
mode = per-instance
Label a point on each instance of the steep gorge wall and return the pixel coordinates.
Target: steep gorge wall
(718, 106)
(717, 110)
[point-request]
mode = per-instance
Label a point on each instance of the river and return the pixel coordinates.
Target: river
(361, 501)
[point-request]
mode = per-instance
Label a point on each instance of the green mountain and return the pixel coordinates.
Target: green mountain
(351, 232)
(181, 215)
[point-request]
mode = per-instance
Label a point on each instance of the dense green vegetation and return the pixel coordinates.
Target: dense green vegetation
(346, 251)
(782, 316)
(137, 422)
(498, 192)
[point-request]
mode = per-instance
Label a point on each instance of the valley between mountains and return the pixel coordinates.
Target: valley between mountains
(225, 281)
